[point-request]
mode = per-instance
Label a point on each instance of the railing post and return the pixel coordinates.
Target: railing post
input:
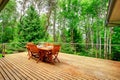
(3, 50)
(75, 46)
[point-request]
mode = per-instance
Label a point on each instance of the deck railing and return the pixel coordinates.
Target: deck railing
(89, 49)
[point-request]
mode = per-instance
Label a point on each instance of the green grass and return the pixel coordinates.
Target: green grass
(0, 55)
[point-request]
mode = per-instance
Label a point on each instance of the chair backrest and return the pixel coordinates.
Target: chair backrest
(56, 49)
(48, 44)
(32, 48)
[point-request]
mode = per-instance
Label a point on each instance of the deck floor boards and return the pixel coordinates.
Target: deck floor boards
(72, 67)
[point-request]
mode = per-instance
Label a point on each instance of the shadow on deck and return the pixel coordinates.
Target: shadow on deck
(72, 67)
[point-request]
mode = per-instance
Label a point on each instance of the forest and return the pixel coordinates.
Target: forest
(78, 25)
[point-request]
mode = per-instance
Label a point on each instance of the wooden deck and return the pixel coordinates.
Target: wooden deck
(72, 67)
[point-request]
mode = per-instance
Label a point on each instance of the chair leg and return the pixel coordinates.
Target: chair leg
(56, 59)
(30, 55)
(50, 58)
(38, 60)
(39, 57)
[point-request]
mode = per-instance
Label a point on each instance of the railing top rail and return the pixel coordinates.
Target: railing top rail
(63, 43)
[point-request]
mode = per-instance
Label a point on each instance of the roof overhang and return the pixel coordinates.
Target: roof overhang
(3, 3)
(113, 14)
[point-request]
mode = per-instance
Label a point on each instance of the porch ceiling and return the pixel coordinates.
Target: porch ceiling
(113, 14)
(3, 3)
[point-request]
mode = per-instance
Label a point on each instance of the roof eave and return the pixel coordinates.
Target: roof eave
(110, 9)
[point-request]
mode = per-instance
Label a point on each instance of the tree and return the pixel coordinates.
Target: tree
(30, 28)
(8, 19)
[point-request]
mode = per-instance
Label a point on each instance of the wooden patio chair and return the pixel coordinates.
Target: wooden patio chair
(32, 50)
(55, 51)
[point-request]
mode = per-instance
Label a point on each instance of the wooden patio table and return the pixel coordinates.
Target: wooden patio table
(45, 53)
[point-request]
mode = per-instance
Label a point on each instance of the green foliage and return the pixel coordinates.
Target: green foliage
(92, 52)
(82, 53)
(0, 48)
(43, 21)
(14, 47)
(30, 28)
(8, 18)
(67, 48)
(0, 55)
(70, 12)
(80, 47)
(116, 41)
(7, 35)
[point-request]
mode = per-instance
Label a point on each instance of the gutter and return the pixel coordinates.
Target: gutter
(110, 9)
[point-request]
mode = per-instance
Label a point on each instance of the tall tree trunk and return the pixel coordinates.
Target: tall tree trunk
(49, 14)
(2, 41)
(54, 36)
(87, 34)
(92, 35)
(110, 36)
(72, 35)
(97, 42)
(107, 46)
(63, 27)
(100, 47)
(58, 38)
(86, 40)
(23, 9)
(105, 43)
